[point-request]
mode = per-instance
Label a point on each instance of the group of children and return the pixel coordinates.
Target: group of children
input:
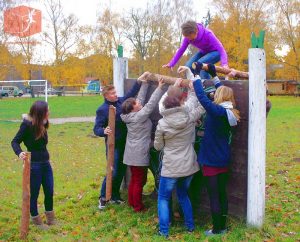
(175, 135)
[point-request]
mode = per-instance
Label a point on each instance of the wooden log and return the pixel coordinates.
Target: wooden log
(171, 80)
(25, 197)
(226, 71)
(110, 151)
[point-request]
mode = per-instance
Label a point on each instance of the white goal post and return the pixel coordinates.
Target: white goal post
(30, 83)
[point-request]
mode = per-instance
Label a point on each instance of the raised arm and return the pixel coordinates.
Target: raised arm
(208, 105)
(142, 93)
(179, 52)
(144, 113)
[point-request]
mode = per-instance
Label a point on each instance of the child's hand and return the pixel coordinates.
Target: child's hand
(107, 131)
(187, 70)
(144, 76)
(167, 66)
(161, 82)
(22, 155)
(178, 82)
(182, 69)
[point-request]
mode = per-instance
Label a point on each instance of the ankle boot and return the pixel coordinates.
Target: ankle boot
(37, 221)
(50, 217)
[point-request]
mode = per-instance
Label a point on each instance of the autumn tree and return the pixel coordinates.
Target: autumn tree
(288, 29)
(62, 32)
(233, 24)
(109, 33)
(139, 29)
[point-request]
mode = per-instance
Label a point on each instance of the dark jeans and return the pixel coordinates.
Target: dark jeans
(41, 174)
(211, 57)
(119, 171)
(216, 187)
(155, 165)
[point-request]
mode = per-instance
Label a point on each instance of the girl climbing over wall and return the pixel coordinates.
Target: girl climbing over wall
(210, 47)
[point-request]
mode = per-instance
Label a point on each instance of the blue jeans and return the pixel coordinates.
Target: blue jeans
(41, 174)
(119, 171)
(166, 185)
(211, 57)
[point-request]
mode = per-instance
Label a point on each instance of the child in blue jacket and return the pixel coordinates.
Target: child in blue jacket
(214, 152)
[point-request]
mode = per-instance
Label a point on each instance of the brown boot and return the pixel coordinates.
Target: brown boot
(50, 217)
(37, 221)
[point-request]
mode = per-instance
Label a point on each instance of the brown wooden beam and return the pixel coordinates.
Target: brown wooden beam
(110, 152)
(25, 218)
(171, 80)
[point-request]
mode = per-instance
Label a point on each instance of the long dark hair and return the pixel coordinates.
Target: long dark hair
(37, 114)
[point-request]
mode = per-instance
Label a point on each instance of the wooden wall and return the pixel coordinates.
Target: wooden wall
(237, 185)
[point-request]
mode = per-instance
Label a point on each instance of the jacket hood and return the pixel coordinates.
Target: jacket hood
(176, 118)
(127, 118)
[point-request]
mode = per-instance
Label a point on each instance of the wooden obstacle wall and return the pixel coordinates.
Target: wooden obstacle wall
(237, 185)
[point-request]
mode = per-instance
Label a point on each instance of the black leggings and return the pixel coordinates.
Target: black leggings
(216, 187)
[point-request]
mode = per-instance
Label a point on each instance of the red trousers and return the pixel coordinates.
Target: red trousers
(135, 189)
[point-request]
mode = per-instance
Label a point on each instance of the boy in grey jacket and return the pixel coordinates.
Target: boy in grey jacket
(136, 155)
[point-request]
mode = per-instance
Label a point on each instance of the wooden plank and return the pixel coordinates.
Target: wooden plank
(25, 218)
(110, 152)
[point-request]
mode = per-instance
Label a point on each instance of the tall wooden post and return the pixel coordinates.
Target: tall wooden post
(256, 137)
(110, 151)
(25, 197)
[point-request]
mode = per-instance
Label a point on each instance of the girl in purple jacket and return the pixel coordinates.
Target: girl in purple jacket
(210, 48)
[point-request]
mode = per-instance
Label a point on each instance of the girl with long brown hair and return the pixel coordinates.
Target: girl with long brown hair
(33, 133)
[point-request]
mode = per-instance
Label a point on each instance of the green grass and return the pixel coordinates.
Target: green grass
(13, 108)
(78, 162)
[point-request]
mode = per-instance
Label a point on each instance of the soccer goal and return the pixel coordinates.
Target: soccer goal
(24, 88)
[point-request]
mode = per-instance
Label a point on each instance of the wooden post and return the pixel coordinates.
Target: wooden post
(25, 197)
(256, 137)
(110, 151)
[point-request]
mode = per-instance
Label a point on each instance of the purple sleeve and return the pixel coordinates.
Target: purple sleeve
(220, 48)
(179, 52)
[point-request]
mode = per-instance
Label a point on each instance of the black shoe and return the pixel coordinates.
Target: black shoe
(118, 201)
(190, 231)
(102, 203)
(196, 68)
(211, 70)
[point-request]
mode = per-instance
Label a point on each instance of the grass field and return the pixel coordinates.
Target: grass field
(78, 162)
(60, 107)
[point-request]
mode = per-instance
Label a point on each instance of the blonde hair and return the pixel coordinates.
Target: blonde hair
(107, 89)
(224, 94)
